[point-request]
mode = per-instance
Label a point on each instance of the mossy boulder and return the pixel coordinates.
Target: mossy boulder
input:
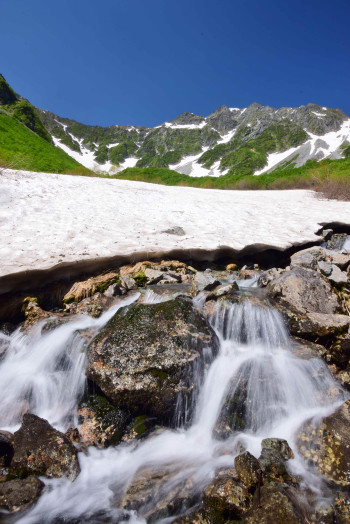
(146, 354)
(39, 449)
(274, 454)
(326, 445)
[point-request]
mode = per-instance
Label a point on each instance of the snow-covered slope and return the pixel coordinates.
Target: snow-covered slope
(48, 219)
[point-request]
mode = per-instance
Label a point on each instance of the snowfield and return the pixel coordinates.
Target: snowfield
(48, 219)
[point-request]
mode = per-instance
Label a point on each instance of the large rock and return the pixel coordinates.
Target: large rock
(248, 469)
(145, 356)
(278, 505)
(274, 454)
(18, 494)
(309, 302)
(42, 450)
(327, 445)
(226, 498)
(308, 257)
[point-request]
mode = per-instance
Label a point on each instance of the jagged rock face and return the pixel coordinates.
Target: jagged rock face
(145, 356)
(327, 445)
(190, 134)
(39, 449)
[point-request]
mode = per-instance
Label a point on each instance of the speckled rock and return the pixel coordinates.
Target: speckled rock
(93, 306)
(338, 277)
(144, 357)
(327, 445)
(100, 423)
(42, 450)
(18, 494)
(205, 281)
(274, 454)
(226, 498)
(342, 260)
(342, 507)
(278, 505)
(248, 469)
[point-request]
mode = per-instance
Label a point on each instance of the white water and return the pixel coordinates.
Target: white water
(278, 390)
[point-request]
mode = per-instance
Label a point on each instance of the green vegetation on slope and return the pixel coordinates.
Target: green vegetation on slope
(313, 175)
(243, 157)
(7, 94)
(23, 149)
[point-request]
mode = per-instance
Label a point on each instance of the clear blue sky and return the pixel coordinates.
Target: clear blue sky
(143, 62)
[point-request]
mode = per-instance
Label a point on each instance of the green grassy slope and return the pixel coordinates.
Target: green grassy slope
(21, 148)
(311, 175)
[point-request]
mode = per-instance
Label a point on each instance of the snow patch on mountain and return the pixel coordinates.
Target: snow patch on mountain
(46, 219)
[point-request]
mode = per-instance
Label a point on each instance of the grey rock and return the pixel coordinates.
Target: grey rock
(205, 281)
(325, 267)
(337, 241)
(342, 260)
(179, 231)
(337, 277)
(127, 281)
(308, 257)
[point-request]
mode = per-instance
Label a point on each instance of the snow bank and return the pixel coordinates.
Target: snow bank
(48, 219)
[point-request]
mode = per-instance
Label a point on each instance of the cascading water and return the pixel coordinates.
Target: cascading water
(256, 379)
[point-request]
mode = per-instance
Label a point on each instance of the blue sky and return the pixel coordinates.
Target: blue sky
(143, 62)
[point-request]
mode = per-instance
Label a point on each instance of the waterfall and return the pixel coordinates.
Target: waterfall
(256, 381)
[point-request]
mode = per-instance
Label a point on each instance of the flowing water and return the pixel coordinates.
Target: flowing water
(255, 370)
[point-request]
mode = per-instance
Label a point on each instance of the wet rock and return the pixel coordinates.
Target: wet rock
(336, 242)
(93, 306)
(337, 277)
(114, 290)
(342, 507)
(308, 257)
(274, 454)
(145, 356)
(87, 288)
(245, 273)
(222, 291)
(205, 281)
(18, 494)
(42, 450)
(248, 470)
(147, 496)
(318, 325)
(6, 448)
(226, 498)
(278, 505)
(326, 445)
(33, 312)
(100, 423)
(305, 349)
